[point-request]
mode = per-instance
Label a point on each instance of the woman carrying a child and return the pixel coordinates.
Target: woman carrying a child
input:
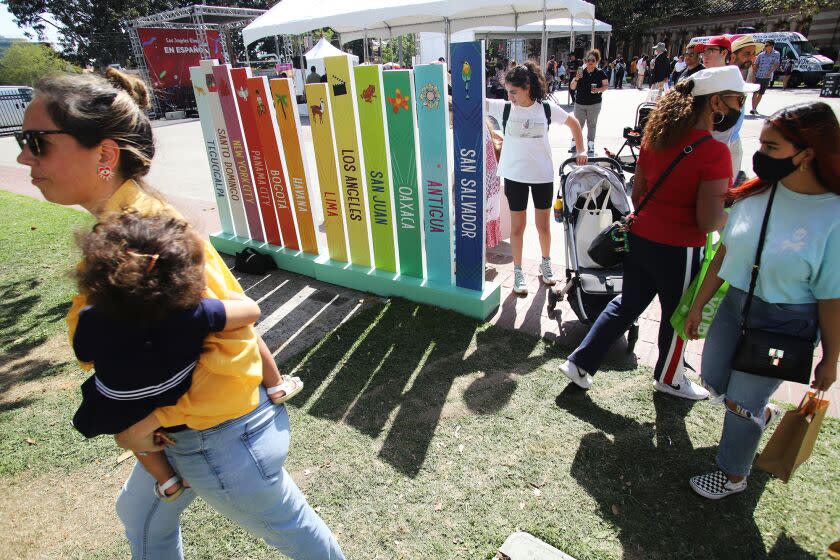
(87, 141)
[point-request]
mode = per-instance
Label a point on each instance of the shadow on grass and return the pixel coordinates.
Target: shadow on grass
(23, 358)
(638, 473)
(398, 363)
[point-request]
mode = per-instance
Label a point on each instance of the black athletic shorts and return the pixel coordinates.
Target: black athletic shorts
(517, 195)
(763, 83)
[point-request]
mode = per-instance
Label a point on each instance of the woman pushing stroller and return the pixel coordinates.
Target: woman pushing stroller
(667, 233)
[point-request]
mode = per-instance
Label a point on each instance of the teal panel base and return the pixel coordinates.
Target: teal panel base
(472, 303)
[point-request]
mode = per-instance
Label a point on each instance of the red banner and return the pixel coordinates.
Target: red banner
(170, 53)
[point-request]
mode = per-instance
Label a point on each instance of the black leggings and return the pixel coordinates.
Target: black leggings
(517, 195)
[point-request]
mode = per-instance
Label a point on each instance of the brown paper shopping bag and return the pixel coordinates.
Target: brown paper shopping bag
(792, 442)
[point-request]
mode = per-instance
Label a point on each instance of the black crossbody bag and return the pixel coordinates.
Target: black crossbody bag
(766, 353)
(609, 247)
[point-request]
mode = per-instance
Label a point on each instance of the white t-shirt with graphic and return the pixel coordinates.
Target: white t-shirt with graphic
(800, 262)
(526, 152)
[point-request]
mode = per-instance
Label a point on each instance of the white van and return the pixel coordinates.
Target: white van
(808, 66)
(13, 102)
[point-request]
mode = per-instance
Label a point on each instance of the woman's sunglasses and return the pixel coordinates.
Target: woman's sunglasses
(739, 96)
(591, 60)
(32, 138)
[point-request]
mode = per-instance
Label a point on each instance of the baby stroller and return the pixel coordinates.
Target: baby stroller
(632, 139)
(590, 289)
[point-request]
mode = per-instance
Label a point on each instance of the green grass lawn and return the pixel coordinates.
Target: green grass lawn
(424, 434)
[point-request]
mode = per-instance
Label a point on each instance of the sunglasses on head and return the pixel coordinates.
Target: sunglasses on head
(591, 60)
(32, 139)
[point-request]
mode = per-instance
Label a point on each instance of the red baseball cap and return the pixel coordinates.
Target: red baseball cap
(716, 41)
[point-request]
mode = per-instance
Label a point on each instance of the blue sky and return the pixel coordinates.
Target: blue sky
(9, 29)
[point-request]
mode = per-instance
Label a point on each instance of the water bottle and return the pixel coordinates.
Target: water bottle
(558, 209)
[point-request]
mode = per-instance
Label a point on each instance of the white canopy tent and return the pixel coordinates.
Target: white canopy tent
(560, 27)
(380, 18)
(322, 49)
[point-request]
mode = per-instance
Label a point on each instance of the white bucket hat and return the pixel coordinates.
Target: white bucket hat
(716, 80)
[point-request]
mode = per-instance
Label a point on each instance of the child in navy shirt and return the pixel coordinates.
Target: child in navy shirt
(146, 325)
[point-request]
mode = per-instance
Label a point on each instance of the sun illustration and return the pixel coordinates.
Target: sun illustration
(398, 101)
(430, 96)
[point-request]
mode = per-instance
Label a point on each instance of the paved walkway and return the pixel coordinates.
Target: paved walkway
(181, 173)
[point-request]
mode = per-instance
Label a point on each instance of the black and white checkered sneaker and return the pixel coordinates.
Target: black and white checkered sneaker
(715, 485)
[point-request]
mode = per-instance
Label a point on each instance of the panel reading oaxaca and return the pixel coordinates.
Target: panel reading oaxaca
(395, 222)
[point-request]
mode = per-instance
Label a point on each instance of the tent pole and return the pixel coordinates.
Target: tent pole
(609, 36)
(571, 48)
(365, 49)
(515, 37)
(544, 45)
(593, 33)
(447, 29)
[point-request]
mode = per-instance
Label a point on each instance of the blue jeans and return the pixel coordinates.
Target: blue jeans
(748, 393)
(237, 467)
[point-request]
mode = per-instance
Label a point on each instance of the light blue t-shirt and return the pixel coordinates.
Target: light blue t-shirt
(801, 258)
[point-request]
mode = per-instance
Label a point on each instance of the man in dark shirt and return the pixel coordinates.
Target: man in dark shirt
(661, 67)
(692, 61)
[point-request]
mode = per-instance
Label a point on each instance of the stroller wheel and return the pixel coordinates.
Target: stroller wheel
(632, 337)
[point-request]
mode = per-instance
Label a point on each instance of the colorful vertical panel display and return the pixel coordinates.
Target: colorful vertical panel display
(288, 122)
(234, 193)
(320, 122)
(343, 101)
(399, 112)
(432, 125)
(265, 198)
(230, 111)
(263, 112)
(372, 126)
(211, 144)
(468, 134)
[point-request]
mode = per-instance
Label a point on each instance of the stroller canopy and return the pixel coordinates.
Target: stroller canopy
(583, 179)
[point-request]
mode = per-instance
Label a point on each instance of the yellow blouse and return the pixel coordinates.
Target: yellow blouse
(229, 370)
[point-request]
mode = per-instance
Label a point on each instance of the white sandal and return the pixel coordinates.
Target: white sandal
(291, 386)
(160, 489)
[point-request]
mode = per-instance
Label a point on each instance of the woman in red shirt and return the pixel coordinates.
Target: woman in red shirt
(667, 234)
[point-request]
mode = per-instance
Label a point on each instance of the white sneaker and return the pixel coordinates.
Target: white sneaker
(775, 412)
(684, 387)
(715, 485)
(576, 375)
(519, 287)
(590, 150)
(546, 273)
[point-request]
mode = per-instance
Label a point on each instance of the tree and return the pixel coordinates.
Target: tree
(94, 31)
(26, 63)
(803, 7)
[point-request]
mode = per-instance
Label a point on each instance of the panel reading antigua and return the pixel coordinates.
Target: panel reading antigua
(211, 144)
(230, 111)
(433, 124)
(399, 112)
(320, 120)
(263, 111)
(468, 134)
(343, 100)
(371, 123)
(288, 122)
(256, 153)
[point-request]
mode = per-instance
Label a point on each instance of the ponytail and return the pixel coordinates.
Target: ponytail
(675, 114)
(528, 76)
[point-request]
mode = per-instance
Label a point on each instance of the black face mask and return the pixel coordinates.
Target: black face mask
(771, 170)
(728, 120)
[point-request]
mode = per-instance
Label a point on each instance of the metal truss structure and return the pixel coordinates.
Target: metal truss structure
(199, 17)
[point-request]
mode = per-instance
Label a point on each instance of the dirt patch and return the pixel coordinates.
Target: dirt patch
(21, 376)
(59, 516)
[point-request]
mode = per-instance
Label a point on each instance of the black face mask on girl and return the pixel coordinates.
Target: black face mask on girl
(771, 170)
(727, 121)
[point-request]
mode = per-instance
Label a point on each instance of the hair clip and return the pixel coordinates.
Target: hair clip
(153, 258)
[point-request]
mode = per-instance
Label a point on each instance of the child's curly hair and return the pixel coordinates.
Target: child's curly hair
(141, 267)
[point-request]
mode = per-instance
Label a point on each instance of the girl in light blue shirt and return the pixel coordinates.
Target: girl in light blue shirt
(798, 287)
